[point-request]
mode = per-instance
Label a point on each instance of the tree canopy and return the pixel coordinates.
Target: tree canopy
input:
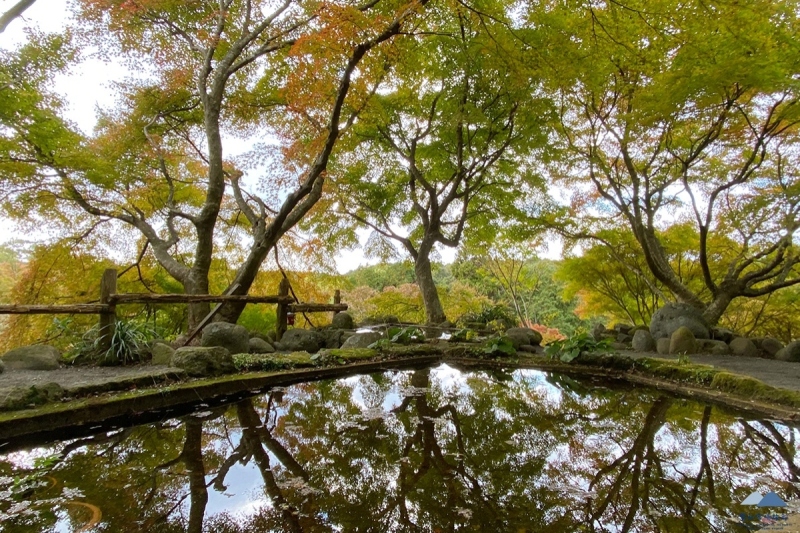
(666, 132)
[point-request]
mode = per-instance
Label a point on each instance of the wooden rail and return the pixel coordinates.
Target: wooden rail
(109, 299)
(73, 309)
(142, 298)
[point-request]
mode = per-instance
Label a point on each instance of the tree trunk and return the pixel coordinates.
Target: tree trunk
(197, 284)
(714, 310)
(193, 459)
(434, 314)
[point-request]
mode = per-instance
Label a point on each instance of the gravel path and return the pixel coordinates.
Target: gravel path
(88, 379)
(776, 373)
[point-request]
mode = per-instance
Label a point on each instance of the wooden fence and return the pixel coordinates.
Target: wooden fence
(109, 299)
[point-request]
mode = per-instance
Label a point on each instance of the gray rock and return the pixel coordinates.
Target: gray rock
(623, 328)
(643, 341)
(662, 346)
(377, 320)
(531, 349)
(362, 340)
(744, 347)
(597, 331)
(203, 361)
(790, 352)
(713, 347)
(162, 353)
(682, 342)
(770, 347)
(36, 357)
(331, 338)
(24, 397)
(343, 320)
(232, 337)
(619, 346)
(624, 338)
(722, 334)
(534, 337)
(258, 345)
(301, 340)
(672, 316)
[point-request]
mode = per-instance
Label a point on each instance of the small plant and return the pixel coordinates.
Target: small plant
(684, 360)
(464, 335)
(499, 345)
(395, 335)
(497, 315)
(568, 349)
(407, 335)
(128, 343)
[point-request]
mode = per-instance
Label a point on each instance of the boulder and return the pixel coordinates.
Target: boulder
(162, 353)
(332, 338)
(662, 346)
(673, 316)
(744, 347)
(713, 347)
(682, 342)
(722, 334)
(362, 340)
(300, 340)
(597, 331)
(533, 337)
(790, 352)
(623, 328)
(23, 397)
(624, 338)
(531, 349)
(619, 346)
(232, 337)
(377, 320)
(203, 361)
(770, 347)
(259, 345)
(343, 320)
(36, 357)
(643, 341)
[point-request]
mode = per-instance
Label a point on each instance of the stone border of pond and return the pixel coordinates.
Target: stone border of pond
(165, 401)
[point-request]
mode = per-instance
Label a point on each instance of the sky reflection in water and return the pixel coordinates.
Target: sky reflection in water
(425, 450)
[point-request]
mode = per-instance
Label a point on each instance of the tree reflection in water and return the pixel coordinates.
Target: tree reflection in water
(428, 450)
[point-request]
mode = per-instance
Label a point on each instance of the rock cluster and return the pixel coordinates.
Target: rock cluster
(680, 329)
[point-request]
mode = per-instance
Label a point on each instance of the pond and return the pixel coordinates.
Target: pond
(430, 450)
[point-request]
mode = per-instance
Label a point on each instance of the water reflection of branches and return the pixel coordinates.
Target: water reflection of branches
(432, 457)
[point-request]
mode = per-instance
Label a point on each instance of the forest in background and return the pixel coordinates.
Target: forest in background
(558, 298)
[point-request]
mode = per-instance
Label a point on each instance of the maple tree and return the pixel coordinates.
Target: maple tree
(675, 111)
(450, 148)
(301, 71)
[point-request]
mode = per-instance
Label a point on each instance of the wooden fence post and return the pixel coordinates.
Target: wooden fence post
(108, 319)
(283, 310)
(337, 299)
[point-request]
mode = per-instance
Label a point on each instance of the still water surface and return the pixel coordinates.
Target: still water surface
(426, 450)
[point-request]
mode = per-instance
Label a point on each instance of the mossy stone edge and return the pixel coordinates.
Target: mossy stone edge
(699, 381)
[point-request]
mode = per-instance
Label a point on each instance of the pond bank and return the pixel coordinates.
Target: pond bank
(148, 393)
